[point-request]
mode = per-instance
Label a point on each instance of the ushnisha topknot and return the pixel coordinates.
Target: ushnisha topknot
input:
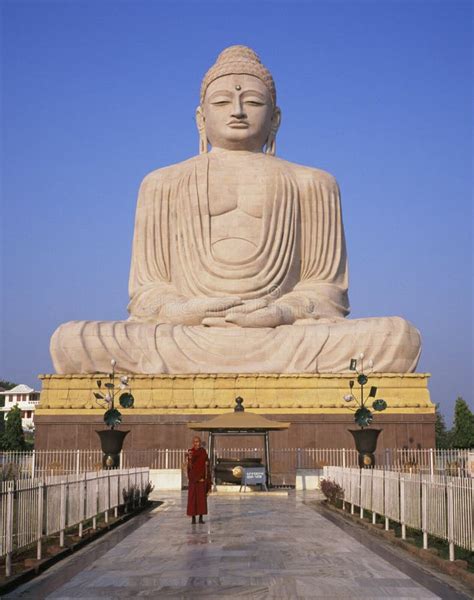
(239, 60)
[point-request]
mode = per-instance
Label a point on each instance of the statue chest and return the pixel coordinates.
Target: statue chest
(236, 207)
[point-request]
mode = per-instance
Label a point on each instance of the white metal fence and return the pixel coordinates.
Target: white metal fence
(285, 461)
(435, 461)
(440, 506)
(31, 509)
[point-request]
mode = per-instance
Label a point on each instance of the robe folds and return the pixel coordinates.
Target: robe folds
(199, 482)
(300, 261)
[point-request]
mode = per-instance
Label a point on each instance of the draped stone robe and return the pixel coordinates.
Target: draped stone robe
(299, 260)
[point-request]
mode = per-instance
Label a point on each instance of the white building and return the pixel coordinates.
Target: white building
(27, 399)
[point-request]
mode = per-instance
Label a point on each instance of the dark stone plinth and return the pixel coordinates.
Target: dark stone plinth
(73, 431)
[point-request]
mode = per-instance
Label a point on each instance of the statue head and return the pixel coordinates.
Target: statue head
(238, 104)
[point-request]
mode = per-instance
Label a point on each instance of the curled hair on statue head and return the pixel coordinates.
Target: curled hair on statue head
(239, 60)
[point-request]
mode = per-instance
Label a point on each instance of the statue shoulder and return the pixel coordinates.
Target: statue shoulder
(304, 175)
(170, 173)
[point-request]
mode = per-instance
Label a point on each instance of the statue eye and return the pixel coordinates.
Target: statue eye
(220, 102)
(254, 102)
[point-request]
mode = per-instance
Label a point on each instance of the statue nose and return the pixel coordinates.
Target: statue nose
(238, 110)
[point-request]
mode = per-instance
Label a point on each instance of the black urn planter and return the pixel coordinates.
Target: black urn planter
(111, 442)
(366, 444)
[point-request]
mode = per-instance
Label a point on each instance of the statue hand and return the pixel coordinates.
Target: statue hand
(247, 306)
(217, 322)
(195, 310)
(270, 315)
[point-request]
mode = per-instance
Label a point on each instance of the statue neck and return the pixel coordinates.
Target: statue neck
(217, 150)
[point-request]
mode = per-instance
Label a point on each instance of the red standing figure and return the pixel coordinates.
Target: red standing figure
(199, 480)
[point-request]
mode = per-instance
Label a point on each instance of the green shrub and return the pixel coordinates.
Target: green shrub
(332, 490)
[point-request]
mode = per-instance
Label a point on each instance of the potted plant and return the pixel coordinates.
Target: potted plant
(111, 440)
(365, 438)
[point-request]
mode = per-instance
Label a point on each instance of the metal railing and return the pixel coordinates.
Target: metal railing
(438, 505)
(31, 509)
(42, 463)
(435, 461)
(285, 461)
(162, 458)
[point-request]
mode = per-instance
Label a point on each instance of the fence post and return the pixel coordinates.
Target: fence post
(166, 458)
(298, 458)
(431, 462)
(82, 496)
(33, 456)
(402, 508)
(117, 478)
(96, 497)
(135, 489)
(39, 528)
(62, 514)
(387, 520)
(450, 507)
(121, 459)
(9, 531)
(106, 514)
(424, 513)
(140, 488)
(78, 461)
(374, 514)
(352, 494)
(344, 458)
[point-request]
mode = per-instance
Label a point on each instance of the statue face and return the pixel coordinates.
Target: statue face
(238, 113)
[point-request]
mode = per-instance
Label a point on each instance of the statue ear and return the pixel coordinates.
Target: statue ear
(276, 119)
(203, 143)
(275, 124)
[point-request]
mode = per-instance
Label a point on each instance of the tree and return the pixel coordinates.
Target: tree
(443, 436)
(6, 385)
(13, 437)
(462, 433)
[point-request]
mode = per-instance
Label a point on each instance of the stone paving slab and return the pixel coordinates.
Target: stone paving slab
(249, 547)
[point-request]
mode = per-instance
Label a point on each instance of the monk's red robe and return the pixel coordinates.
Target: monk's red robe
(199, 482)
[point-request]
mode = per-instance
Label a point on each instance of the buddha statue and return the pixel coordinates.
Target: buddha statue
(239, 260)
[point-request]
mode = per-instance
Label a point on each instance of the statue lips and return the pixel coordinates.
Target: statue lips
(238, 124)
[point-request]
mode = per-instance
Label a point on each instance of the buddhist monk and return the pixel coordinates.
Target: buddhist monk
(239, 259)
(199, 481)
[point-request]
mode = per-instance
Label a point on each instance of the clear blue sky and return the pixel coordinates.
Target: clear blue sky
(97, 94)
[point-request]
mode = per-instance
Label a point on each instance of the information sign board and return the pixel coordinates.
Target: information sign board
(254, 476)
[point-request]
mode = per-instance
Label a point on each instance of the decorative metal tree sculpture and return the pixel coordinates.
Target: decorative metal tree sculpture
(365, 439)
(363, 416)
(113, 416)
(111, 440)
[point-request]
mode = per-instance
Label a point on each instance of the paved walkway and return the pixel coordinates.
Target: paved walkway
(249, 547)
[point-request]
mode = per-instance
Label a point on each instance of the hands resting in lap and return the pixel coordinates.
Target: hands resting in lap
(228, 311)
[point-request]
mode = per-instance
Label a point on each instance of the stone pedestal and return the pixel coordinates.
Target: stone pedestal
(68, 415)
